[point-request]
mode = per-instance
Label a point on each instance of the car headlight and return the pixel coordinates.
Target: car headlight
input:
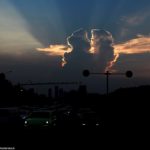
(97, 124)
(83, 124)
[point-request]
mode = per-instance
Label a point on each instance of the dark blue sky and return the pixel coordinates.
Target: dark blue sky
(46, 16)
(28, 24)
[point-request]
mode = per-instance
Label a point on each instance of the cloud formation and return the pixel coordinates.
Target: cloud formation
(57, 50)
(54, 50)
(102, 47)
(138, 45)
(96, 52)
(79, 56)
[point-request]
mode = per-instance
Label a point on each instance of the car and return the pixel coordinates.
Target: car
(91, 119)
(40, 119)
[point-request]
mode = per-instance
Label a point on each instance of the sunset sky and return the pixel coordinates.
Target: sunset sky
(38, 37)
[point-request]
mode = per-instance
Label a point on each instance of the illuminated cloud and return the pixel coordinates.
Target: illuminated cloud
(138, 45)
(77, 48)
(79, 40)
(56, 50)
(80, 49)
(102, 47)
(96, 52)
(99, 52)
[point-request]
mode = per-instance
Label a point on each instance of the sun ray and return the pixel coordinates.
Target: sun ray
(14, 34)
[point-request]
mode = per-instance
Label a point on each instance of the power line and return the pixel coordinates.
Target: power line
(50, 83)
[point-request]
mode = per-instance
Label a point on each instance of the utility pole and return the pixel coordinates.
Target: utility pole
(107, 82)
(87, 73)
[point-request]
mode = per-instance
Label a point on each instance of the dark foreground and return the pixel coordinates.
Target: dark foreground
(67, 138)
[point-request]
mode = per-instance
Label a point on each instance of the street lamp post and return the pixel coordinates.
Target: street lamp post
(87, 73)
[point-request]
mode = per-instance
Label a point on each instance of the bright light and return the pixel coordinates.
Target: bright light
(21, 90)
(83, 124)
(15, 37)
(26, 122)
(68, 112)
(47, 122)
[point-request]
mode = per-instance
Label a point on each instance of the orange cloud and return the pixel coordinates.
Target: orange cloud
(139, 45)
(56, 50)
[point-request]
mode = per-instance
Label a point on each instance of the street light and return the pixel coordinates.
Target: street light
(87, 73)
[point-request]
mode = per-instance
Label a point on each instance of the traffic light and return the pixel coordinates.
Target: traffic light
(129, 74)
(86, 73)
